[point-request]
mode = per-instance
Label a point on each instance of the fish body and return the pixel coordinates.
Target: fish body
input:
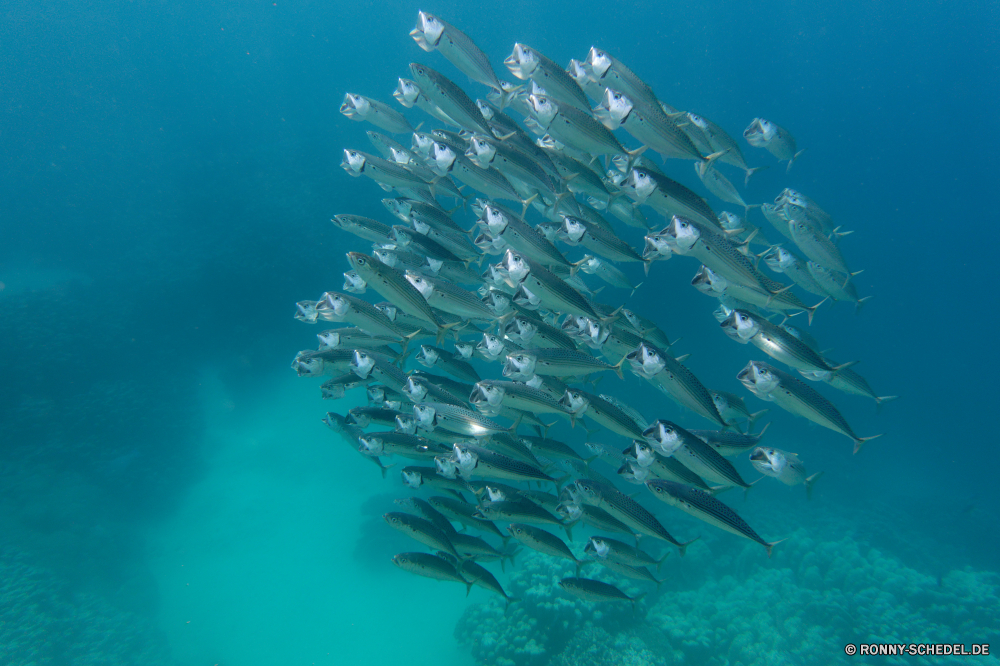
(363, 227)
(600, 411)
(450, 98)
(712, 284)
(776, 342)
(606, 548)
(520, 237)
(457, 367)
(719, 185)
(429, 566)
(361, 108)
(670, 439)
(556, 362)
(491, 394)
(671, 377)
(387, 174)
(785, 261)
(817, 246)
(719, 141)
(666, 196)
(784, 466)
(456, 419)
(478, 460)
(728, 443)
(594, 590)
(574, 127)
(647, 124)
(704, 506)
(401, 444)
(769, 383)
(625, 509)
(434, 33)
(464, 512)
(576, 231)
(420, 529)
(539, 540)
(445, 296)
(393, 286)
(777, 140)
(525, 63)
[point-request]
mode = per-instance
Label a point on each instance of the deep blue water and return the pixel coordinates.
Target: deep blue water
(168, 171)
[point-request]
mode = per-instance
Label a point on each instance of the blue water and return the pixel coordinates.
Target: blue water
(167, 491)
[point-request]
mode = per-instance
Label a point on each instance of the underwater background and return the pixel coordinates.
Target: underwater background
(168, 493)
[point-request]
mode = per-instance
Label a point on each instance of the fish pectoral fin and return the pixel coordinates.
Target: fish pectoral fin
(843, 366)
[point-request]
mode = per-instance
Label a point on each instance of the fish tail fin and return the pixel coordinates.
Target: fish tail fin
(810, 480)
(750, 172)
(546, 426)
(510, 600)
(526, 203)
(860, 441)
(633, 290)
(772, 544)
(443, 330)
(587, 461)
(811, 311)
(659, 562)
(578, 564)
(681, 548)
(646, 263)
(860, 304)
(618, 369)
(569, 531)
(879, 400)
(407, 339)
(794, 157)
(747, 207)
(383, 468)
(505, 97)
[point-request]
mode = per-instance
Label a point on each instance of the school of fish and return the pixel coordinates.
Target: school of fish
(468, 273)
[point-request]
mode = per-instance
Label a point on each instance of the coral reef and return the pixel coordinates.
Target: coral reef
(545, 619)
(42, 623)
(801, 608)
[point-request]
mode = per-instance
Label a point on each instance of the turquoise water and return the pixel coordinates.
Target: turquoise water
(168, 493)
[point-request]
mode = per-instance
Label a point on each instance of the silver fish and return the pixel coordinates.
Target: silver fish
(449, 98)
(429, 566)
(668, 375)
(544, 542)
(777, 140)
(703, 506)
(452, 418)
(361, 108)
(670, 439)
(776, 342)
(433, 33)
(784, 466)
(770, 383)
(625, 509)
(525, 63)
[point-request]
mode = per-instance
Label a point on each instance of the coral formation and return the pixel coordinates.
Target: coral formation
(801, 609)
(44, 623)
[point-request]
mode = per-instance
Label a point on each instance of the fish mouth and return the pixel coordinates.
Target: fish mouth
(758, 455)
